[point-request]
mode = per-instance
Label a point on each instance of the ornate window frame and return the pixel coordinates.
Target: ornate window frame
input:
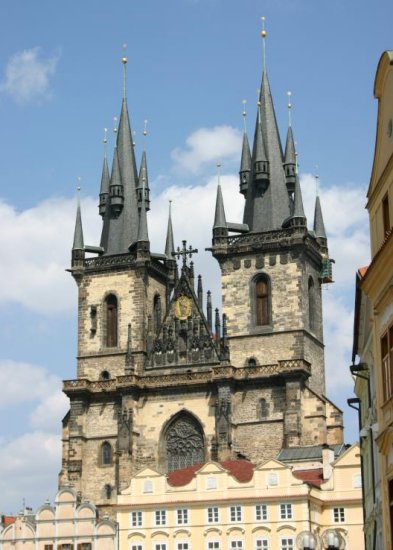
(257, 326)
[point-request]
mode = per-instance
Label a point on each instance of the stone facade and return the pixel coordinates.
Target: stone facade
(164, 384)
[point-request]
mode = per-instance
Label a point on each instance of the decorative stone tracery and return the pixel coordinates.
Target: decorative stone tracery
(184, 443)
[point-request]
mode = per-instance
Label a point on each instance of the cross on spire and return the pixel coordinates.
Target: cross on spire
(184, 252)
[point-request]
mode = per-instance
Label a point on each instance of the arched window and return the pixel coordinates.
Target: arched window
(262, 301)
(156, 313)
(263, 408)
(105, 375)
(106, 454)
(184, 443)
(311, 304)
(111, 321)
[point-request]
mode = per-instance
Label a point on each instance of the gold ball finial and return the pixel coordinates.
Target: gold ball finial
(263, 31)
(145, 127)
(244, 113)
(124, 58)
(289, 94)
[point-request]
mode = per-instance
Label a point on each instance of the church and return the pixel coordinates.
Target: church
(163, 381)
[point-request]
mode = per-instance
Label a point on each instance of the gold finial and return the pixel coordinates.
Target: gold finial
(145, 127)
(316, 177)
(263, 34)
(133, 138)
(244, 114)
(263, 31)
(289, 94)
(115, 125)
(124, 58)
(258, 97)
(78, 189)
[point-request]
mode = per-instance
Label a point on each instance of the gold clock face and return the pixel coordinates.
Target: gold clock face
(183, 307)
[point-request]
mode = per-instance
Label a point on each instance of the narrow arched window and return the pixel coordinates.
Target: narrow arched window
(263, 408)
(311, 304)
(262, 298)
(106, 454)
(111, 321)
(157, 312)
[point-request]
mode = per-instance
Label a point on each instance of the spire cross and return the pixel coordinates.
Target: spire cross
(316, 177)
(184, 252)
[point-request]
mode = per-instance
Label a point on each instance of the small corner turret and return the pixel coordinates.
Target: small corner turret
(78, 247)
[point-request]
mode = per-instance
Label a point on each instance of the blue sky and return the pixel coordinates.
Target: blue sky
(191, 63)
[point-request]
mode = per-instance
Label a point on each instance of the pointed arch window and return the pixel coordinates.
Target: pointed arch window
(111, 321)
(262, 301)
(184, 443)
(106, 454)
(311, 303)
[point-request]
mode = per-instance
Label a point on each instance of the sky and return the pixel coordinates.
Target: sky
(191, 63)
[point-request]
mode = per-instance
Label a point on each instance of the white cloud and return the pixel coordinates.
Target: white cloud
(27, 76)
(29, 465)
(22, 382)
(49, 413)
(207, 146)
(36, 249)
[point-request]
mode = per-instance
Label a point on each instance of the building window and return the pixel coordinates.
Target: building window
(286, 511)
(160, 517)
(211, 482)
(287, 544)
(84, 546)
(261, 544)
(261, 512)
(147, 486)
(272, 479)
(182, 546)
(106, 454)
(338, 515)
(136, 547)
(111, 321)
(262, 301)
(263, 408)
(136, 519)
(156, 313)
(184, 443)
(213, 545)
(160, 546)
(66, 546)
(357, 481)
(182, 516)
(48, 546)
(387, 363)
(212, 514)
(235, 514)
(311, 304)
(385, 215)
(236, 545)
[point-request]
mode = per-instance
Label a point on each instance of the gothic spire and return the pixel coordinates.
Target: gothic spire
(78, 232)
(298, 210)
(105, 182)
(143, 179)
(245, 164)
(220, 227)
(121, 226)
(169, 244)
(319, 226)
(143, 235)
(290, 153)
(267, 201)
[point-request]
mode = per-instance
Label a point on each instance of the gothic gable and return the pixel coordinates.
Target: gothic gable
(184, 337)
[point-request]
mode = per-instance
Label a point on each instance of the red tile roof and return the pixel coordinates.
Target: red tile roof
(242, 470)
(362, 270)
(7, 520)
(313, 477)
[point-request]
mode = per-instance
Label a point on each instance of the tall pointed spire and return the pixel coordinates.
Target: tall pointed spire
(245, 164)
(105, 181)
(121, 224)
(267, 201)
(220, 225)
(78, 247)
(298, 210)
(319, 226)
(143, 235)
(143, 180)
(290, 153)
(169, 244)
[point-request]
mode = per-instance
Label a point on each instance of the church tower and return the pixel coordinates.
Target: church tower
(165, 382)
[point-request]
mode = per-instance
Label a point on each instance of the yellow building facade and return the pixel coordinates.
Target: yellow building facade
(236, 506)
(377, 283)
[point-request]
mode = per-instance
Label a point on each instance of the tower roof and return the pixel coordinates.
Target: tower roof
(298, 210)
(290, 152)
(245, 164)
(169, 244)
(219, 218)
(105, 179)
(143, 235)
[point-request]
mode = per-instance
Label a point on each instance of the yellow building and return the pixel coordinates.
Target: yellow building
(68, 525)
(234, 505)
(377, 283)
